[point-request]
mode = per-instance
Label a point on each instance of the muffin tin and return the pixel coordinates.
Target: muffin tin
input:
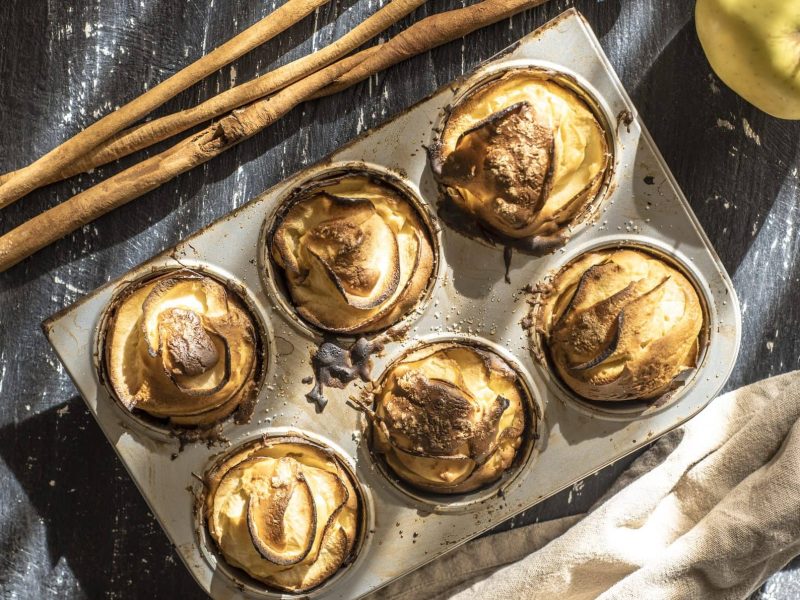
(468, 301)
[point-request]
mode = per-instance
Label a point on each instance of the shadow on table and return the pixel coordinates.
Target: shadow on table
(721, 149)
(95, 518)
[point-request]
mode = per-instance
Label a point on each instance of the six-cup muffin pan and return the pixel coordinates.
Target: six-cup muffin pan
(468, 301)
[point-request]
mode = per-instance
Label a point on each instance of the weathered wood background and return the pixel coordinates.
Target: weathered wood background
(71, 522)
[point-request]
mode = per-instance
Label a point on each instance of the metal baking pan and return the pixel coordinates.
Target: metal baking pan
(469, 300)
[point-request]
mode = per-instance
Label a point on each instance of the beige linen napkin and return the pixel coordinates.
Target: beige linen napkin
(709, 511)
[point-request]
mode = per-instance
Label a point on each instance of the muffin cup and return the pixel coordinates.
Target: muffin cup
(272, 276)
(243, 580)
(525, 456)
(453, 216)
(625, 409)
(151, 424)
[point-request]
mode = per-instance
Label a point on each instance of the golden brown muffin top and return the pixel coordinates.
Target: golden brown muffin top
(524, 155)
(355, 253)
(181, 346)
(622, 325)
(285, 511)
(450, 420)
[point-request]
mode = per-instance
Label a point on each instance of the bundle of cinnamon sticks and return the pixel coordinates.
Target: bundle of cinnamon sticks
(243, 111)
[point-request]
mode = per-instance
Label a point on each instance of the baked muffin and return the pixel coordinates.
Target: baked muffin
(621, 324)
(524, 156)
(285, 511)
(182, 347)
(449, 419)
(355, 253)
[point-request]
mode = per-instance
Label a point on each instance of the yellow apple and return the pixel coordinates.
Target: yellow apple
(754, 47)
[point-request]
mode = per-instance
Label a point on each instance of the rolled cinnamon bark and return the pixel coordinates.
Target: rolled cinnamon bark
(428, 34)
(149, 174)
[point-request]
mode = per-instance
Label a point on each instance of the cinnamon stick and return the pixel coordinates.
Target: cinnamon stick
(429, 33)
(59, 159)
(145, 135)
(79, 210)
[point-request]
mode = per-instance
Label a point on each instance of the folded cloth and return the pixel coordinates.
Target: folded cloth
(709, 511)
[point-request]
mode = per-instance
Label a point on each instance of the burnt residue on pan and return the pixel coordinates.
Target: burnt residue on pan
(210, 436)
(335, 366)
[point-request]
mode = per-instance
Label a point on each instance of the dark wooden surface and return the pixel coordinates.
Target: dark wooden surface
(71, 522)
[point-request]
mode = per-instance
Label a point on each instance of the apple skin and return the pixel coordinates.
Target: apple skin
(754, 47)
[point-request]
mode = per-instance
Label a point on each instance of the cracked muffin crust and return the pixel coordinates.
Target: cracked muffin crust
(284, 510)
(355, 253)
(622, 324)
(182, 347)
(524, 156)
(449, 421)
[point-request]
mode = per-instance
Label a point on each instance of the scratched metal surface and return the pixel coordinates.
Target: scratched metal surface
(73, 524)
